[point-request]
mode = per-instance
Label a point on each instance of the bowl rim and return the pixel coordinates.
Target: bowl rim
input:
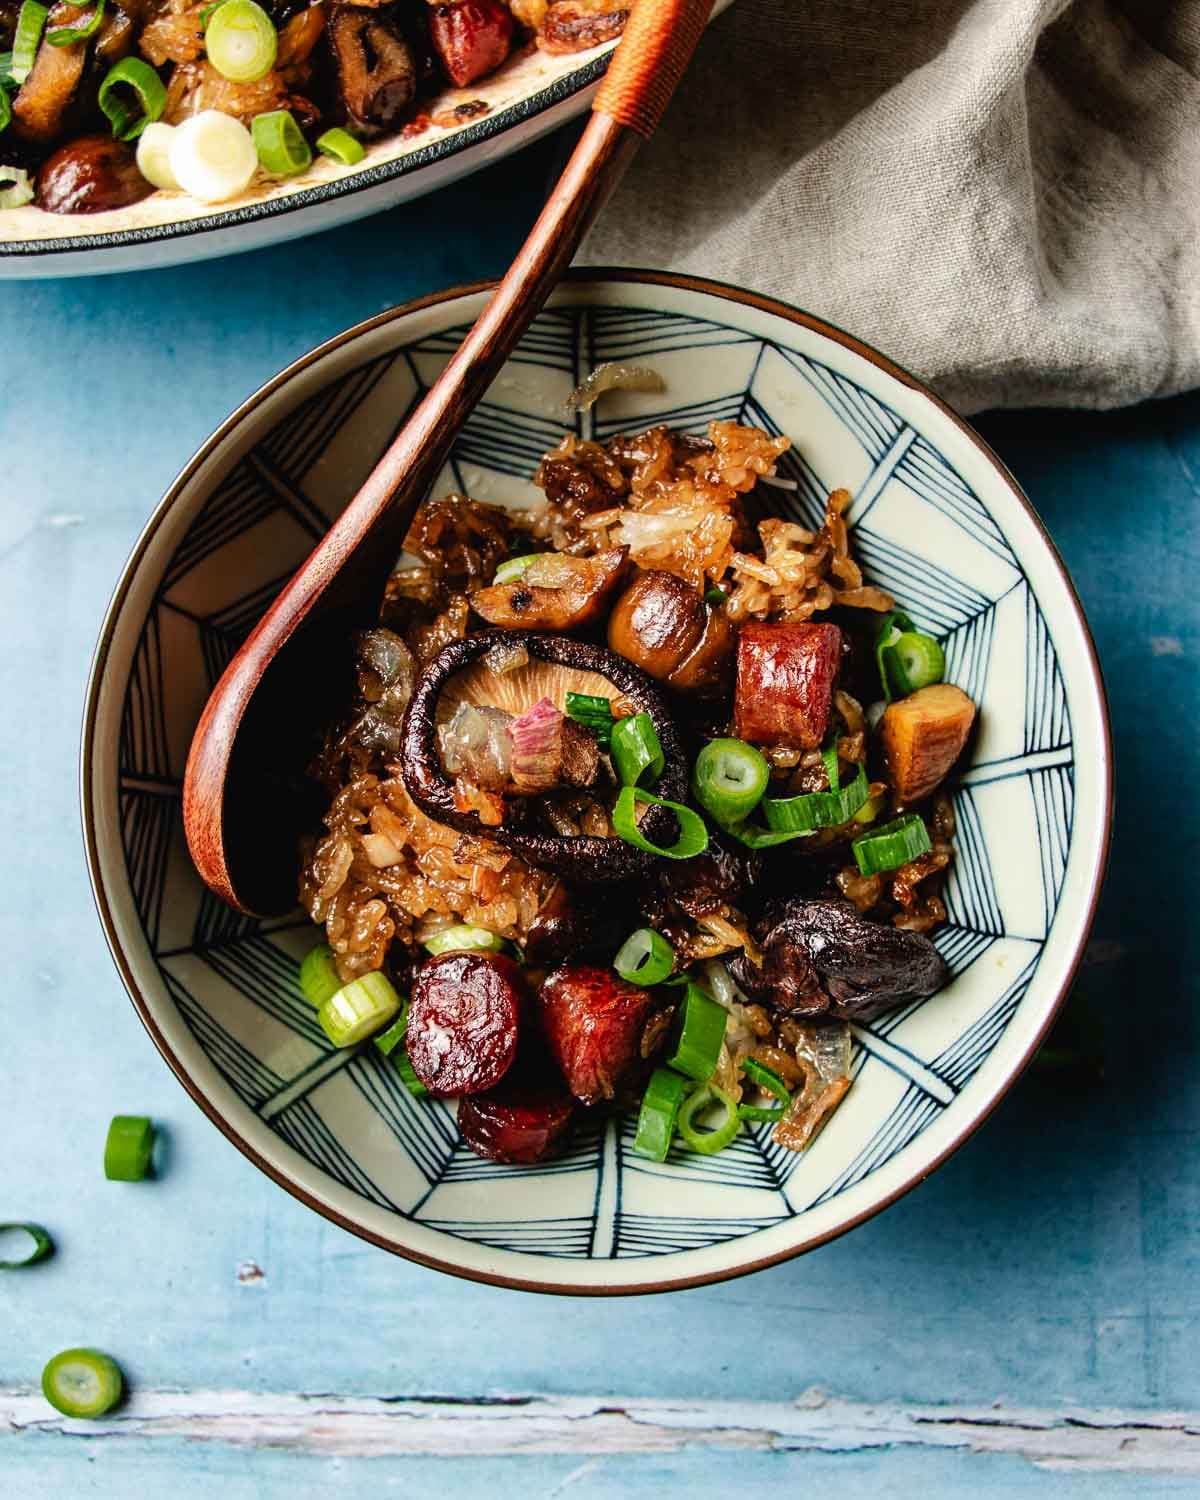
(557, 92)
(588, 276)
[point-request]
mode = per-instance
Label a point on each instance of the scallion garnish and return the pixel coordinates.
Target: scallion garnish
(645, 957)
(513, 568)
(693, 836)
(82, 1383)
(341, 146)
(593, 712)
(5, 108)
(358, 1009)
(387, 1041)
(63, 36)
(241, 42)
(829, 758)
(770, 1081)
(660, 1109)
(462, 938)
(128, 1148)
(131, 76)
(893, 845)
(636, 752)
(319, 977)
(729, 779)
(391, 1044)
(710, 1139)
(281, 147)
(698, 1035)
(912, 661)
(812, 810)
(31, 20)
(42, 1245)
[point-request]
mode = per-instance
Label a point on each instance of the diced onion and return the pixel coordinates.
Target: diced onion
(212, 156)
(154, 155)
(614, 376)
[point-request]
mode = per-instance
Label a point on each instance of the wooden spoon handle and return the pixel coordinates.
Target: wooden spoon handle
(659, 39)
(648, 63)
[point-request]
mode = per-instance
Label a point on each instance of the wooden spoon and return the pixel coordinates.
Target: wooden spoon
(246, 799)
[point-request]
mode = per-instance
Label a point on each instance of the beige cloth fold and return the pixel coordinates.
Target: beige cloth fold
(1003, 195)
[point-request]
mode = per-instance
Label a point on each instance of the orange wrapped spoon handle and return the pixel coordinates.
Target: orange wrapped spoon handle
(660, 37)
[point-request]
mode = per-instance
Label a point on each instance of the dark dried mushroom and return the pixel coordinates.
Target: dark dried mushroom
(821, 958)
(665, 627)
(46, 100)
(557, 665)
(377, 75)
(90, 175)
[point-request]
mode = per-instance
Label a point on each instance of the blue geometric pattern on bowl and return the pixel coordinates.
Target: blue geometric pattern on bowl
(233, 978)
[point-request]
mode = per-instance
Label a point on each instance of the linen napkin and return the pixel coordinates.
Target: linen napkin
(1003, 195)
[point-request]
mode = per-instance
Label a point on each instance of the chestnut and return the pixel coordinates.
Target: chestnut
(90, 175)
(663, 625)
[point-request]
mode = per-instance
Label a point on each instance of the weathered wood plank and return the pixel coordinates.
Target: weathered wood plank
(1071, 1441)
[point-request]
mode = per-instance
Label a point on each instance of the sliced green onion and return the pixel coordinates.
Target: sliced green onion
(715, 596)
(16, 190)
(767, 1079)
(387, 1041)
(762, 838)
(870, 810)
(359, 1008)
(82, 1383)
(342, 146)
(729, 779)
(6, 78)
(912, 661)
(391, 1044)
(893, 845)
(319, 977)
(281, 147)
(714, 1139)
(636, 751)
(464, 939)
(134, 76)
(645, 957)
(128, 1148)
(829, 758)
(594, 713)
(408, 1077)
(698, 1035)
(660, 1109)
(207, 11)
(154, 155)
(813, 810)
(43, 1245)
(30, 22)
(211, 156)
(514, 567)
(241, 42)
(891, 628)
(693, 836)
(63, 36)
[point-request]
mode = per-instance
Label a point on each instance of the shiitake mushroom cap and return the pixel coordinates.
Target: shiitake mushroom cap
(581, 858)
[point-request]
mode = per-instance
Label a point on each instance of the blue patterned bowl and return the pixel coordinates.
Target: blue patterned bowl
(936, 520)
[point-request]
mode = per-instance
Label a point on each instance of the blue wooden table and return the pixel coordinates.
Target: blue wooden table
(1027, 1322)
